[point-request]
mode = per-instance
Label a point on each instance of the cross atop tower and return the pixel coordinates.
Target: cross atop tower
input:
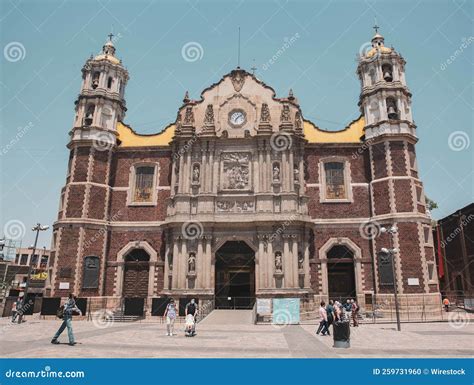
(376, 27)
(110, 35)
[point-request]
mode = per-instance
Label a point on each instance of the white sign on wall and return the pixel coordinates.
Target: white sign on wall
(63, 285)
(413, 282)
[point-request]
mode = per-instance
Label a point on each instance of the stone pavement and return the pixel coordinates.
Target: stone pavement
(147, 339)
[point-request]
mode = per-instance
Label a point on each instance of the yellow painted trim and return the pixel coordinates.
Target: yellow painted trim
(350, 134)
(312, 133)
(130, 138)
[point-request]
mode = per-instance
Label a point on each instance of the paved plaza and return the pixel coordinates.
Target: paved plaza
(226, 340)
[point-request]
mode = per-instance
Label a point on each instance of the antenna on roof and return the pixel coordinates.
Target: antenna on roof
(238, 52)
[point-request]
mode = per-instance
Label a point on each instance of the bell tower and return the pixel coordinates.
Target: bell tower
(385, 99)
(101, 102)
(397, 196)
(85, 197)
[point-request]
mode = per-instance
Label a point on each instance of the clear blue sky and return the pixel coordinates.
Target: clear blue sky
(38, 87)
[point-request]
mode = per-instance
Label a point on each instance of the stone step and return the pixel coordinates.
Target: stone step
(229, 317)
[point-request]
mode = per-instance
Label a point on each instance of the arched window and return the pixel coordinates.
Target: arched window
(144, 180)
(335, 183)
(90, 278)
(106, 118)
(89, 118)
(372, 76)
(95, 80)
(387, 72)
(110, 81)
(392, 111)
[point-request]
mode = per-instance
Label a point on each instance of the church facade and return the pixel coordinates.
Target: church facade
(241, 197)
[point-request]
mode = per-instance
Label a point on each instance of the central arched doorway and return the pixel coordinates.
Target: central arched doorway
(341, 277)
(235, 276)
(135, 281)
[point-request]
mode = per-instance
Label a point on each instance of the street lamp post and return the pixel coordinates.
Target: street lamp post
(37, 228)
(392, 251)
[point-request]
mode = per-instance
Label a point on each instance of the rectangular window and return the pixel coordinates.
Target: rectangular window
(335, 186)
(90, 279)
(431, 272)
(427, 231)
(24, 259)
(143, 191)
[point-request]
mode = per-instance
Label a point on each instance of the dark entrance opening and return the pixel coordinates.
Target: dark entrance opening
(135, 281)
(235, 276)
(341, 278)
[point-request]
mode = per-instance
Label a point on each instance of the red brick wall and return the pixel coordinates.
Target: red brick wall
(397, 153)
(75, 201)
(381, 197)
(403, 196)
(99, 167)
(81, 164)
(68, 245)
(380, 163)
(410, 256)
(96, 208)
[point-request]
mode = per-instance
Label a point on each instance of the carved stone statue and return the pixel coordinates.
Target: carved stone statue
(189, 116)
(300, 261)
(298, 120)
(209, 116)
(276, 172)
(196, 173)
(278, 262)
(265, 114)
(192, 263)
(285, 113)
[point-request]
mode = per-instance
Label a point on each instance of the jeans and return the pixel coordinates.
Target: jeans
(170, 325)
(322, 326)
(67, 322)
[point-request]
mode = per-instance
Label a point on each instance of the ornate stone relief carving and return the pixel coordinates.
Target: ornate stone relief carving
(237, 206)
(238, 79)
(298, 122)
(235, 171)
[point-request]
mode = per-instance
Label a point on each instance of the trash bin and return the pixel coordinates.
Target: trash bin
(341, 335)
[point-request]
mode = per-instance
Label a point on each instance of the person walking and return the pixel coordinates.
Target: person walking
(69, 308)
(330, 315)
(446, 304)
(355, 312)
(337, 311)
(170, 315)
(15, 307)
(348, 310)
(324, 318)
(191, 309)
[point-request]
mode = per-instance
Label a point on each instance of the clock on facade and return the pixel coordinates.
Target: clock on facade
(237, 118)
